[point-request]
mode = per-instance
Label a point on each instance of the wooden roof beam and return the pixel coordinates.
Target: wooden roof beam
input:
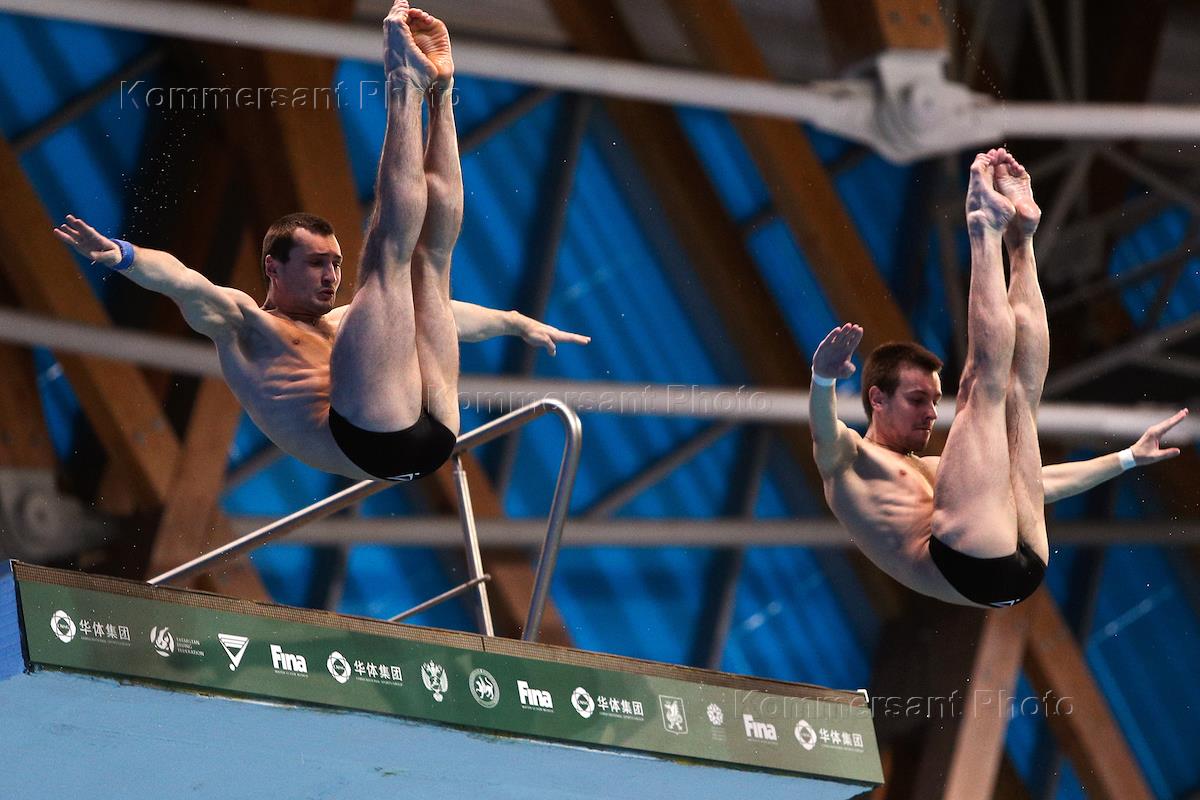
(800, 187)
(1079, 716)
(114, 396)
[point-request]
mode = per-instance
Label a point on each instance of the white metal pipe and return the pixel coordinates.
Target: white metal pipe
(525, 65)
(599, 76)
(471, 543)
(145, 349)
(823, 531)
(1096, 121)
(1071, 421)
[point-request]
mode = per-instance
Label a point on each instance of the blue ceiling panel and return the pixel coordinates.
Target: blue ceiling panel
(48, 62)
(796, 289)
(875, 194)
(787, 624)
(638, 602)
(284, 569)
(930, 315)
(608, 286)
(1146, 638)
(384, 581)
(771, 502)
(364, 117)
(1153, 240)
(730, 167)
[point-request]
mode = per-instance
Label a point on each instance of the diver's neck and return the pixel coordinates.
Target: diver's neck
(875, 437)
(305, 317)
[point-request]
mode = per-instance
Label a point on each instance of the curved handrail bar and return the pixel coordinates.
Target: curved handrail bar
(364, 489)
(506, 423)
(280, 527)
(558, 512)
(441, 598)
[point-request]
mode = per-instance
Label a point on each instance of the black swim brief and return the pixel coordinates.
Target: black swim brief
(998, 582)
(404, 455)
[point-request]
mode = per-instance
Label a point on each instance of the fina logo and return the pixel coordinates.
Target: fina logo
(163, 641)
(63, 626)
(763, 731)
(286, 662)
(534, 698)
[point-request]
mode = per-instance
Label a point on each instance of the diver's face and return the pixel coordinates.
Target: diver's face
(905, 418)
(308, 281)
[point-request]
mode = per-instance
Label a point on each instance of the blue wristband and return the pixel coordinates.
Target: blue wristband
(126, 256)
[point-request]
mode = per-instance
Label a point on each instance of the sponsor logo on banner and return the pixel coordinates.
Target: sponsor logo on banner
(434, 678)
(716, 718)
(380, 673)
(484, 687)
(338, 667)
(163, 641)
(805, 735)
(832, 739)
(63, 626)
(584, 705)
(167, 644)
(534, 699)
(89, 630)
(288, 663)
(621, 708)
(759, 731)
(235, 648)
(673, 716)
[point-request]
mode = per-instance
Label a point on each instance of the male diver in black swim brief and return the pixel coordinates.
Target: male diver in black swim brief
(368, 389)
(968, 527)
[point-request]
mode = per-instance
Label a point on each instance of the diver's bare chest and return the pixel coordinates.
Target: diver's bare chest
(287, 340)
(905, 472)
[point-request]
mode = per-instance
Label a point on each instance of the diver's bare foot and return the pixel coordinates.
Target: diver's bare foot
(402, 58)
(433, 39)
(1012, 181)
(987, 209)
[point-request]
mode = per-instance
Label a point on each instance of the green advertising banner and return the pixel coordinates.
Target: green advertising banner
(273, 654)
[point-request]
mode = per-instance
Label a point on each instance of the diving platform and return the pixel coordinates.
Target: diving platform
(111, 687)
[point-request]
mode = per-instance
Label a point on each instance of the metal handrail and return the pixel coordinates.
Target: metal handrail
(441, 598)
(485, 433)
(567, 470)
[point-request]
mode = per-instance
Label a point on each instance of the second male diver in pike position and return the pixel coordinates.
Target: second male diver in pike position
(968, 527)
(368, 389)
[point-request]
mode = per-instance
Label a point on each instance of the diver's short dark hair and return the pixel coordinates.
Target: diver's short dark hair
(883, 368)
(279, 241)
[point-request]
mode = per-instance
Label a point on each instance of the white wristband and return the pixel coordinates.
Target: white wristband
(820, 381)
(1127, 460)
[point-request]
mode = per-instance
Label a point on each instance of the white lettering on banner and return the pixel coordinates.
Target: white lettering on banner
(763, 731)
(287, 662)
(534, 698)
